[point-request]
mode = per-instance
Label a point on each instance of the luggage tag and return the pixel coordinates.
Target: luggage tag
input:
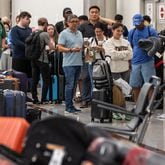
(57, 155)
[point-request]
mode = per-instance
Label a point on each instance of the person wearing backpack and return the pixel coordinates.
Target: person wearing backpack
(142, 64)
(40, 65)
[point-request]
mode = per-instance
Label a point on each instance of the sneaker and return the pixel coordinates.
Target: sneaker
(117, 116)
(36, 102)
(45, 102)
(84, 104)
(127, 118)
(28, 99)
(77, 110)
(70, 110)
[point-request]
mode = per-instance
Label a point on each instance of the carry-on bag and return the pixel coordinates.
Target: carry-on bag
(103, 84)
(61, 88)
(13, 131)
(49, 141)
(14, 103)
(52, 94)
(33, 115)
(22, 78)
(2, 103)
(10, 82)
(100, 113)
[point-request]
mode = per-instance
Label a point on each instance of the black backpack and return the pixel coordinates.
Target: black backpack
(33, 48)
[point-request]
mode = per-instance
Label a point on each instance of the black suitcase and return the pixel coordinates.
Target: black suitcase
(49, 136)
(99, 113)
(33, 115)
(61, 79)
(61, 88)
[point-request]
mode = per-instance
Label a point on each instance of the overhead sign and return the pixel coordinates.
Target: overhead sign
(149, 10)
(161, 12)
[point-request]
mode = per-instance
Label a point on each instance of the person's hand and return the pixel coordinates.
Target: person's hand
(76, 49)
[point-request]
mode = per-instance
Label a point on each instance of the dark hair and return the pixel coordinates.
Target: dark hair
(147, 18)
(118, 17)
(83, 17)
(24, 14)
(42, 21)
(55, 32)
(99, 25)
(71, 16)
(117, 25)
(94, 7)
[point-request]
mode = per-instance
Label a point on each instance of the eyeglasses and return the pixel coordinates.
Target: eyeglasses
(74, 21)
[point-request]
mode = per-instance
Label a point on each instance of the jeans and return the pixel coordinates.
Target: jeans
(43, 69)
(87, 82)
(72, 74)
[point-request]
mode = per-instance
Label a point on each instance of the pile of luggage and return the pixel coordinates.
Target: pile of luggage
(64, 141)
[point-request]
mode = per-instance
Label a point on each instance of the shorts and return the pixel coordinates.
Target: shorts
(141, 73)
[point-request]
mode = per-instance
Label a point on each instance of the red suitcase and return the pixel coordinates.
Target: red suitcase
(12, 132)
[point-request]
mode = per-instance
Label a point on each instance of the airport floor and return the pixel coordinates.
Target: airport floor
(154, 138)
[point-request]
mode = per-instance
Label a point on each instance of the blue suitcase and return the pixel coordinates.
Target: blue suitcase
(14, 103)
(2, 103)
(52, 94)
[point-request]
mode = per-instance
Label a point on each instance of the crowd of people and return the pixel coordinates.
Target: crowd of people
(108, 38)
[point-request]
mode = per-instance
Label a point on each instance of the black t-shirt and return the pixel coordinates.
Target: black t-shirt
(87, 29)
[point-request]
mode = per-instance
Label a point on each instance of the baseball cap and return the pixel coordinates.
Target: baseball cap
(137, 19)
(66, 10)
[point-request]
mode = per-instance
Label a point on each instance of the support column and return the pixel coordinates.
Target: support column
(5, 8)
(110, 8)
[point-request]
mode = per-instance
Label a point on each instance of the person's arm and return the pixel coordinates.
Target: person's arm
(62, 48)
(107, 20)
(111, 51)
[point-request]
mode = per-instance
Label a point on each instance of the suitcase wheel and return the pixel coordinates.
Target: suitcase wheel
(92, 119)
(110, 120)
(101, 120)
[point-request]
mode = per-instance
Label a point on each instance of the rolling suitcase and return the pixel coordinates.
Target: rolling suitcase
(100, 113)
(52, 141)
(14, 103)
(22, 78)
(52, 93)
(33, 115)
(13, 131)
(61, 79)
(103, 84)
(10, 83)
(2, 103)
(53, 90)
(61, 88)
